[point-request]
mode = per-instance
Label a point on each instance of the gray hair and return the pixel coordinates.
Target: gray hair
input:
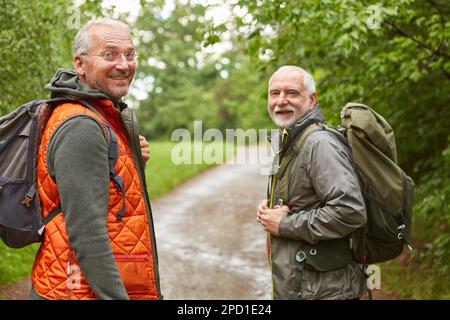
(308, 80)
(309, 83)
(81, 42)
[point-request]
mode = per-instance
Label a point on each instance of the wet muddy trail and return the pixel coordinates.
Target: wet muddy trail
(209, 244)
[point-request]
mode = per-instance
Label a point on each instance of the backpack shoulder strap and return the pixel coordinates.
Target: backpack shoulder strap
(113, 154)
(305, 134)
(297, 146)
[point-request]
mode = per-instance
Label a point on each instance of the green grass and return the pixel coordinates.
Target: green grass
(414, 279)
(16, 263)
(417, 275)
(162, 176)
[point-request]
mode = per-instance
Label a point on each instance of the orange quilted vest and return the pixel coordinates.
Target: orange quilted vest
(56, 274)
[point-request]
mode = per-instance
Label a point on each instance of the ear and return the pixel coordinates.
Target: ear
(78, 64)
(313, 100)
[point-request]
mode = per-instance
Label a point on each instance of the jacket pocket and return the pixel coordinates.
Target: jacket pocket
(345, 283)
(327, 255)
(135, 271)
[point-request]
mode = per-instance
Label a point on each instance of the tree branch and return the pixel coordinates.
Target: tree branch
(442, 16)
(439, 9)
(419, 43)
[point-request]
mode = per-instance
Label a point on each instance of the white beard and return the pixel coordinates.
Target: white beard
(283, 122)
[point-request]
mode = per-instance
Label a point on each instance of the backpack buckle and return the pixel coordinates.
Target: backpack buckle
(300, 256)
(29, 197)
(27, 201)
(400, 234)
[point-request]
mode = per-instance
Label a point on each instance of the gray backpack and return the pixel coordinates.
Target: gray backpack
(21, 221)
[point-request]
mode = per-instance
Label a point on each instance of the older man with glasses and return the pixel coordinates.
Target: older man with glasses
(101, 242)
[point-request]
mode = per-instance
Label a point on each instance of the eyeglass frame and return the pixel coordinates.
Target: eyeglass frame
(116, 53)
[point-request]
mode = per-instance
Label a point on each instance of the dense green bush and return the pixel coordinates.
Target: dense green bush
(35, 41)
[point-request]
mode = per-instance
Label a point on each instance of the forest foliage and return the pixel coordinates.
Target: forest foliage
(391, 55)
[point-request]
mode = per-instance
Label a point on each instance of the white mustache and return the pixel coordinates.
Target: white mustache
(286, 108)
(119, 75)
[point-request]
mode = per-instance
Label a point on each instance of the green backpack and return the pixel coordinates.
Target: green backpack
(386, 189)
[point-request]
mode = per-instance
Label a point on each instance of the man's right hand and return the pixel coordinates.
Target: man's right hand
(261, 208)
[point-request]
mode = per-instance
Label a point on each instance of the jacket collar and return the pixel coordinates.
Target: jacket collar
(67, 84)
(313, 116)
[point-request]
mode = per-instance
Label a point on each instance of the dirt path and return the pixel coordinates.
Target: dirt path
(16, 291)
(209, 245)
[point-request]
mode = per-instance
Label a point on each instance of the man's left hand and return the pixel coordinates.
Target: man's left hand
(145, 148)
(270, 218)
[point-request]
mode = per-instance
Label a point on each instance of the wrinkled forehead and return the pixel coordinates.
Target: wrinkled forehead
(287, 78)
(103, 36)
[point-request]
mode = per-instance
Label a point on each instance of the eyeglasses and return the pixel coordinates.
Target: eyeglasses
(114, 56)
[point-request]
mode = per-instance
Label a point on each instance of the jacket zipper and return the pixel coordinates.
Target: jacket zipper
(128, 257)
(32, 175)
(272, 192)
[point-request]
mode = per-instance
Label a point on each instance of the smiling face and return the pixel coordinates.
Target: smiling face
(288, 100)
(112, 78)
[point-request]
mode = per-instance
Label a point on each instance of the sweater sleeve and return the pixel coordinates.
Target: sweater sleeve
(78, 161)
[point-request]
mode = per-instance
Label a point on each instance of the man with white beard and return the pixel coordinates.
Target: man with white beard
(314, 200)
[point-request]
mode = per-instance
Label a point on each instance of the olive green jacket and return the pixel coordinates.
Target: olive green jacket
(322, 191)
